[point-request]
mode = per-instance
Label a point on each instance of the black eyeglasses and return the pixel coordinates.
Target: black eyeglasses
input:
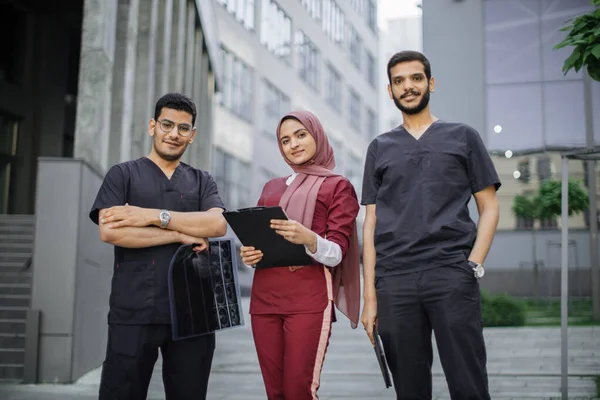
(182, 129)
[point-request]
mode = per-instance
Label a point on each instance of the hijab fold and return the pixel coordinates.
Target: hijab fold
(299, 201)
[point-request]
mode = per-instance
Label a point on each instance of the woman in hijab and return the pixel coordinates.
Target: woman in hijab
(292, 307)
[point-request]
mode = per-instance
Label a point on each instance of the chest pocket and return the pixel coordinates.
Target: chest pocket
(443, 166)
(189, 202)
(400, 168)
(143, 193)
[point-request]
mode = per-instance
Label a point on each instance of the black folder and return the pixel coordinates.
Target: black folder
(204, 291)
(253, 228)
(381, 358)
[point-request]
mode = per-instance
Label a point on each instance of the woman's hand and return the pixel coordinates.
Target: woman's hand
(250, 256)
(295, 232)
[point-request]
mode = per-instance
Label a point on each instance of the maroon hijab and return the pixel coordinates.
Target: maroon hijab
(299, 202)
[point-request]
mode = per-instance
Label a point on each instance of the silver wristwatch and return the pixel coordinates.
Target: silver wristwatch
(165, 218)
(478, 269)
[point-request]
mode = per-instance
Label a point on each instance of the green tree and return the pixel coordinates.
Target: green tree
(526, 207)
(550, 198)
(547, 204)
(584, 35)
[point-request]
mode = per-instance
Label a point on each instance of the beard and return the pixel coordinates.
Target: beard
(415, 109)
(167, 156)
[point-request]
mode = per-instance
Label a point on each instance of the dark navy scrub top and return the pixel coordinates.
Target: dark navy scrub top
(139, 292)
(421, 189)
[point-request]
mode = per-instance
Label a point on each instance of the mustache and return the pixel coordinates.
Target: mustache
(409, 93)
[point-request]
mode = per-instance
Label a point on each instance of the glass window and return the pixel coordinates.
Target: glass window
(232, 179)
(358, 6)
(371, 69)
(236, 93)
(276, 30)
(354, 110)
(524, 170)
(313, 7)
(372, 129)
(354, 46)
(371, 15)
(334, 21)
(333, 88)
(308, 60)
(276, 106)
(544, 168)
(354, 172)
(242, 10)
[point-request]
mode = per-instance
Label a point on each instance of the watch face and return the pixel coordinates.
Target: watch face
(479, 271)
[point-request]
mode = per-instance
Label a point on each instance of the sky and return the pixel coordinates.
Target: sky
(390, 9)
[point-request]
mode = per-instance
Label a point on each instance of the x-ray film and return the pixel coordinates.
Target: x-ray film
(204, 291)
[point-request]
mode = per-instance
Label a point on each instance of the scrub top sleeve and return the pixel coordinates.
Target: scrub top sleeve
(371, 177)
(342, 214)
(209, 197)
(481, 170)
(112, 192)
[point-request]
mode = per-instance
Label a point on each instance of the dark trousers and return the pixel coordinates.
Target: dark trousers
(446, 300)
(132, 351)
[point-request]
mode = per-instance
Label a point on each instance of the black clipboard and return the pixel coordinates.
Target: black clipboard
(253, 228)
(381, 358)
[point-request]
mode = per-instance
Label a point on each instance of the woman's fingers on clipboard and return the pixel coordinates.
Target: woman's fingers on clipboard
(250, 255)
(292, 231)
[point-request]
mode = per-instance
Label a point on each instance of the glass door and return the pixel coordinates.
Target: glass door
(8, 150)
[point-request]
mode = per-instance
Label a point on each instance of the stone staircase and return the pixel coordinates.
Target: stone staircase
(16, 248)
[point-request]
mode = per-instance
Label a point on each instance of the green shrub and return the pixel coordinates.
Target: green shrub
(502, 310)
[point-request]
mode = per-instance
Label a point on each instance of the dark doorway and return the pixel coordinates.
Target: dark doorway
(39, 72)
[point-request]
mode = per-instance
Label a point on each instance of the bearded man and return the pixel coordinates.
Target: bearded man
(423, 254)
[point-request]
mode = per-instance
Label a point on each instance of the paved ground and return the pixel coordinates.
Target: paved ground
(523, 363)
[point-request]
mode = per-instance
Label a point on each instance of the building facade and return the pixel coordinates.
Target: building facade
(283, 55)
(398, 34)
(496, 69)
(498, 72)
(77, 90)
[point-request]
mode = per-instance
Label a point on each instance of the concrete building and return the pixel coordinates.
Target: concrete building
(397, 35)
(76, 92)
(496, 70)
(281, 55)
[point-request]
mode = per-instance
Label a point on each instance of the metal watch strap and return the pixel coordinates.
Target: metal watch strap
(165, 218)
(478, 269)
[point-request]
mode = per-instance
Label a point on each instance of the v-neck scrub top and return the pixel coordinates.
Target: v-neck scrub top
(421, 188)
(139, 291)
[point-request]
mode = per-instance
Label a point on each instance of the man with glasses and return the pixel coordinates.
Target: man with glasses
(147, 208)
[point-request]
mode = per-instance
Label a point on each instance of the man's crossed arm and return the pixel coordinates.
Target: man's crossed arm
(136, 227)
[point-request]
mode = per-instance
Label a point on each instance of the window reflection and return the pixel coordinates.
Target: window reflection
(276, 30)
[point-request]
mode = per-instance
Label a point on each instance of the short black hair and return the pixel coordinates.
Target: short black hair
(176, 101)
(408, 56)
